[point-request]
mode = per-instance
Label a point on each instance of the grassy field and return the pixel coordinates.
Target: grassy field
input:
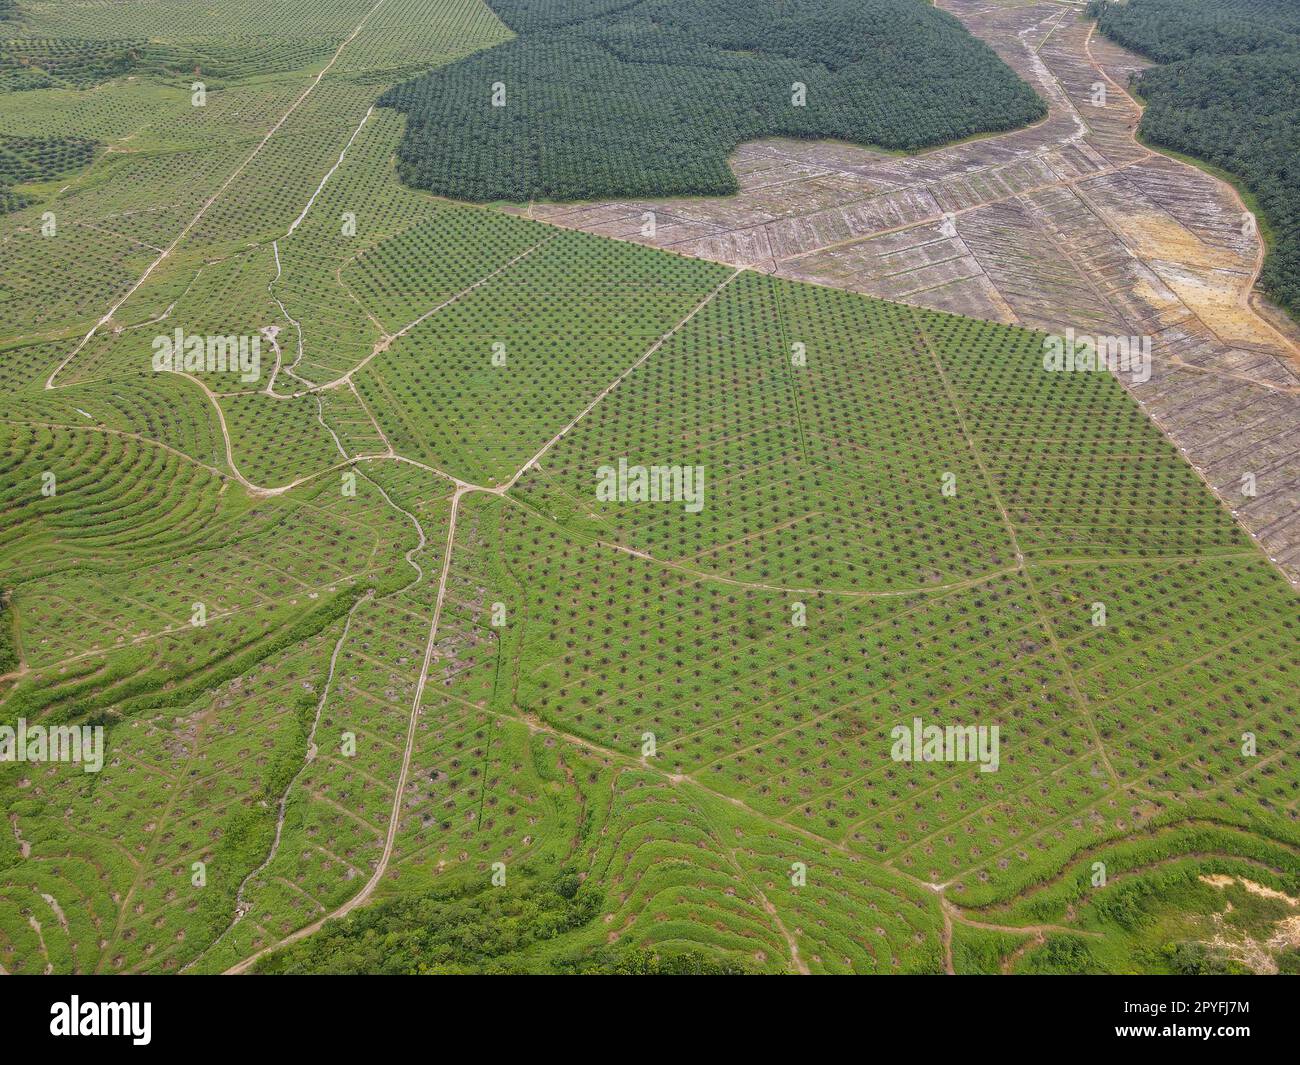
(369, 643)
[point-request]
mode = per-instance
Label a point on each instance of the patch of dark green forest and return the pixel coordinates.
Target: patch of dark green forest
(478, 928)
(610, 98)
(1227, 92)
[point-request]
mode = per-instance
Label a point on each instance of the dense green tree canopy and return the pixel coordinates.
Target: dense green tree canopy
(476, 928)
(605, 98)
(1228, 93)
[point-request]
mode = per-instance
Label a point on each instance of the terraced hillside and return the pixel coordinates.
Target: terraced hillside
(390, 684)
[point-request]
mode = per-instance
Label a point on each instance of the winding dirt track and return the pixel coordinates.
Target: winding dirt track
(1068, 223)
